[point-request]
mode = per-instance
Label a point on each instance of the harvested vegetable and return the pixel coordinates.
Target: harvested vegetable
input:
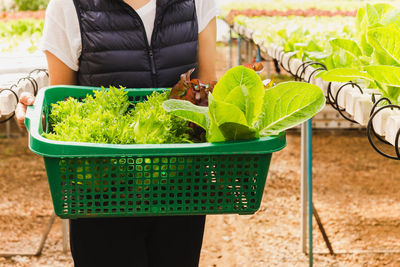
(241, 109)
(102, 118)
(108, 117)
(193, 91)
(154, 125)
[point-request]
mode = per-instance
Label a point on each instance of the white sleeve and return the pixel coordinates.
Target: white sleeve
(206, 11)
(61, 33)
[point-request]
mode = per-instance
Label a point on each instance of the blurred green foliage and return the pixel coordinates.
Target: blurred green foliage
(14, 33)
(21, 27)
(32, 5)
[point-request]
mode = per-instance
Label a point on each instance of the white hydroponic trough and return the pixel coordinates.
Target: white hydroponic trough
(391, 128)
(8, 100)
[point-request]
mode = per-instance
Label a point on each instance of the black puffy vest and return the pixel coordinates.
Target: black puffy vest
(115, 49)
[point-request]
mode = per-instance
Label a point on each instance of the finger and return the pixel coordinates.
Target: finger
(27, 99)
(20, 113)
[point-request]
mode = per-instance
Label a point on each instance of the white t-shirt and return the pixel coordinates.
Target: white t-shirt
(62, 36)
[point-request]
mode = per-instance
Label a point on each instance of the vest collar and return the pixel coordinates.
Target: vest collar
(161, 3)
(165, 3)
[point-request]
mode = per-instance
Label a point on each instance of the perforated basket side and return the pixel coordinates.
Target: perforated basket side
(156, 186)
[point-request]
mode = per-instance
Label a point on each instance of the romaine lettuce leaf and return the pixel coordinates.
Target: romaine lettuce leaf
(287, 105)
(388, 79)
(372, 15)
(344, 75)
(349, 46)
(392, 17)
(230, 120)
(188, 111)
(243, 88)
(382, 9)
(386, 42)
(233, 107)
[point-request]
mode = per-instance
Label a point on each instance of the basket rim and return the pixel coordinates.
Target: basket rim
(50, 148)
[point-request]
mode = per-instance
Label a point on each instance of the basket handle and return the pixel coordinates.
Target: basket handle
(30, 113)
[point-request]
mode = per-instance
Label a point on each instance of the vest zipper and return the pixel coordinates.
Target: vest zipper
(153, 64)
(149, 48)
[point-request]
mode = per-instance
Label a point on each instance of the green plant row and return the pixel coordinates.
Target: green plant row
(366, 48)
(337, 5)
(17, 35)
(33, 5)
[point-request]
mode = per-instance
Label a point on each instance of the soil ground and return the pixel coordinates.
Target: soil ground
(355, 193)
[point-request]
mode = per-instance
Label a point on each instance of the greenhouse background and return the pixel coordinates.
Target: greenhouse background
(331, 196)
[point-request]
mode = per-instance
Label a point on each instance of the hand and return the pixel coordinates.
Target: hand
(26, 100)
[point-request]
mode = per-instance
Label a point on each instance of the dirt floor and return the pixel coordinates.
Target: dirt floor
(355, 193)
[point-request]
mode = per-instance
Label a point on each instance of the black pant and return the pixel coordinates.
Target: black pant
(137, 242)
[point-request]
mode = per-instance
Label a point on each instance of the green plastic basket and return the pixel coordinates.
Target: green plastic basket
(102, 180)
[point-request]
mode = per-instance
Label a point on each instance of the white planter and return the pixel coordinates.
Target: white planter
(322, 84)
(391, 128)
(45, 80)
(311, 71)
(341, 99)
(19, 90)
(8, 102)
(294, 65)
(42, 79)
(353, 96)
(278, 53)
(335, 87)
(272, 51)
(285, 61)
(26, 86)
(286, 58)
(274, 48)
(362, 110)
(299, 71)
(269, 51)
(380, 120)
(308, 72)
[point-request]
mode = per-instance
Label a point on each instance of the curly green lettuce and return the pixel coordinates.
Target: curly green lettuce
(154, 125)
(108, 117)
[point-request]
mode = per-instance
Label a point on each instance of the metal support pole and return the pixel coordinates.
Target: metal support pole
(268, 68)
(309, 188)
(249, 52)
(304, 192)
(65, 227)
(258, 57)
(239, 50)
(8, 129)
(230, 49)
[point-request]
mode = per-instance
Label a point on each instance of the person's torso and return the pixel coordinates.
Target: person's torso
(115, 49)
